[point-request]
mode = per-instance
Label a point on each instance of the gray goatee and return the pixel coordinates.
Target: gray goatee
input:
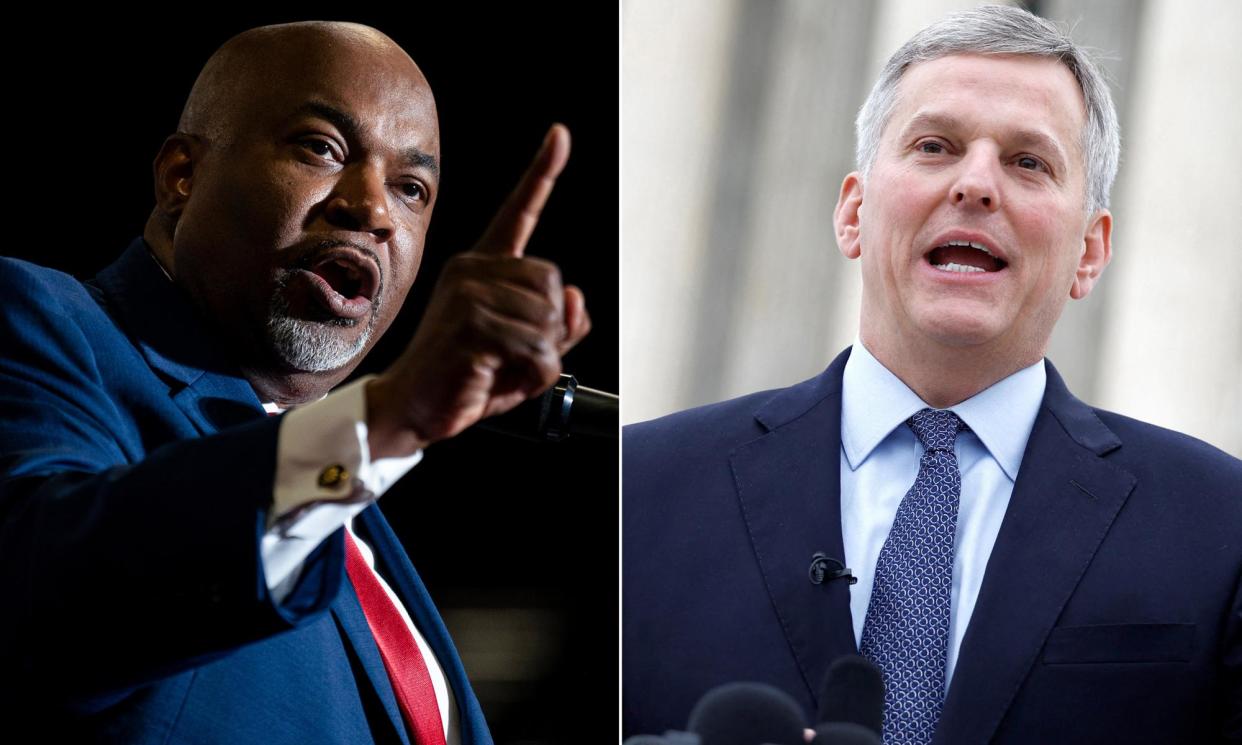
(313, 345)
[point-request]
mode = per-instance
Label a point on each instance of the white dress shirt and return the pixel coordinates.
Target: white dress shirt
(305, 512)
(880, 460)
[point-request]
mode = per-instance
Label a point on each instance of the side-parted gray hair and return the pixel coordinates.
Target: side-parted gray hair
(999, 29)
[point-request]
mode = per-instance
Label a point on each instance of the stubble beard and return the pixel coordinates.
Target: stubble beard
(313, 345)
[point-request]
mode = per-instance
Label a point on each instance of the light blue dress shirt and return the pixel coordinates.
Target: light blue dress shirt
(880, 460)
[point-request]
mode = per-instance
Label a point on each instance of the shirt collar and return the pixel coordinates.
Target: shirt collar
(151, 253)
(271, 407)
(874, 402)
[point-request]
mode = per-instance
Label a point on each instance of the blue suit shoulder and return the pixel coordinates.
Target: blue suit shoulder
(28, 288)
(719, 428)
(713, 427)
(1176, 463)
(62, 323)
(54, 392)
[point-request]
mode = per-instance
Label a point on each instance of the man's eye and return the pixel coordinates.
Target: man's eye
(930, 147)
(413, 190)
(1030, 163)
(322, 148)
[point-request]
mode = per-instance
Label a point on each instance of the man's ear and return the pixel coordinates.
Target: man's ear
(1097, 251)
(845, 218)
(174, 173)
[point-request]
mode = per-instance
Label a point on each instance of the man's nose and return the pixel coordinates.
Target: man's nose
(360, 203)
(978, 182)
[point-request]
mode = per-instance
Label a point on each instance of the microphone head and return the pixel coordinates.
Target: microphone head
(747, 714)
(853, 691)
(671, 737)
(844, 733)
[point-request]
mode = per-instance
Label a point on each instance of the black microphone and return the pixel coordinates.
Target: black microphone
(851, 703)
(670, 737)
(844, 733)
(564, 409)
(747, 714)
(824, 568)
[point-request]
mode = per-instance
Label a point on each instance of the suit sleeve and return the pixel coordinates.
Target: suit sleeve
(324, 477)
(117, 567)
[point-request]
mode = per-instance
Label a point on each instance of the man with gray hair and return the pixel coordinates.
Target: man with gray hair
(1020, 567)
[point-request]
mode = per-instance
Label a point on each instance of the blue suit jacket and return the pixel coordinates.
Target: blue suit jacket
(1110, 611)
(136, 472)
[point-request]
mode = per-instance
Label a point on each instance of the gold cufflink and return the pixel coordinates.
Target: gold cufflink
(334, 476)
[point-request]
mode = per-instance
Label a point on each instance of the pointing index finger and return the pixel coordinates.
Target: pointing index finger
(512, 226)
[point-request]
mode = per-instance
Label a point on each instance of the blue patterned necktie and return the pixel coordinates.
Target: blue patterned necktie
(906, 633)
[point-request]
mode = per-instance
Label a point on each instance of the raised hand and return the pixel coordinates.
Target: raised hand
(494, 331)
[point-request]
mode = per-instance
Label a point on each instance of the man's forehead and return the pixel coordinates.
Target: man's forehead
(267, 74)
(356, 107)
(352, 74)
(1033, 93)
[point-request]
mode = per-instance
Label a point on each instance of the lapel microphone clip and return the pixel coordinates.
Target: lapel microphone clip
(824, 568)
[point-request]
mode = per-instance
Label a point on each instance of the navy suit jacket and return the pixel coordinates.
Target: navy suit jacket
(1110, 611)
(136, 471)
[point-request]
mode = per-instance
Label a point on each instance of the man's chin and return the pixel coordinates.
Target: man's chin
(960, 329)
(317, 346)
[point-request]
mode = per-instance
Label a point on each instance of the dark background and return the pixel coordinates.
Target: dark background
(517, 541)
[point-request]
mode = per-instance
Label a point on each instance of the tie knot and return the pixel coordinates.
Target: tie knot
(936, 429)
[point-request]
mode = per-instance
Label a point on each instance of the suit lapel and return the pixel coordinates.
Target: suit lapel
(405, 582)
(172, 338)
(788, 486)
(353, 624)
(402, 578)
(1064, 502)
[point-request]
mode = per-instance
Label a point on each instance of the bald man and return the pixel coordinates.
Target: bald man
(190, 549)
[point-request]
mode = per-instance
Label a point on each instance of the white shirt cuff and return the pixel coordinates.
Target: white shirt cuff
(324, 477)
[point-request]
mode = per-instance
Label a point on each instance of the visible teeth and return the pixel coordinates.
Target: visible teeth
(951, 267)
(972, 244)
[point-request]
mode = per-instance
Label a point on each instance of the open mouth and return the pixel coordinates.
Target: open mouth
(965, 257)
(347, 273)
(341, 283)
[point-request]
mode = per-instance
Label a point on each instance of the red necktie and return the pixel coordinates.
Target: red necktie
(405, 665)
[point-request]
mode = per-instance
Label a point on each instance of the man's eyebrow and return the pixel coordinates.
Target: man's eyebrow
(344, 121)
(416, 158)
(1023, 137)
